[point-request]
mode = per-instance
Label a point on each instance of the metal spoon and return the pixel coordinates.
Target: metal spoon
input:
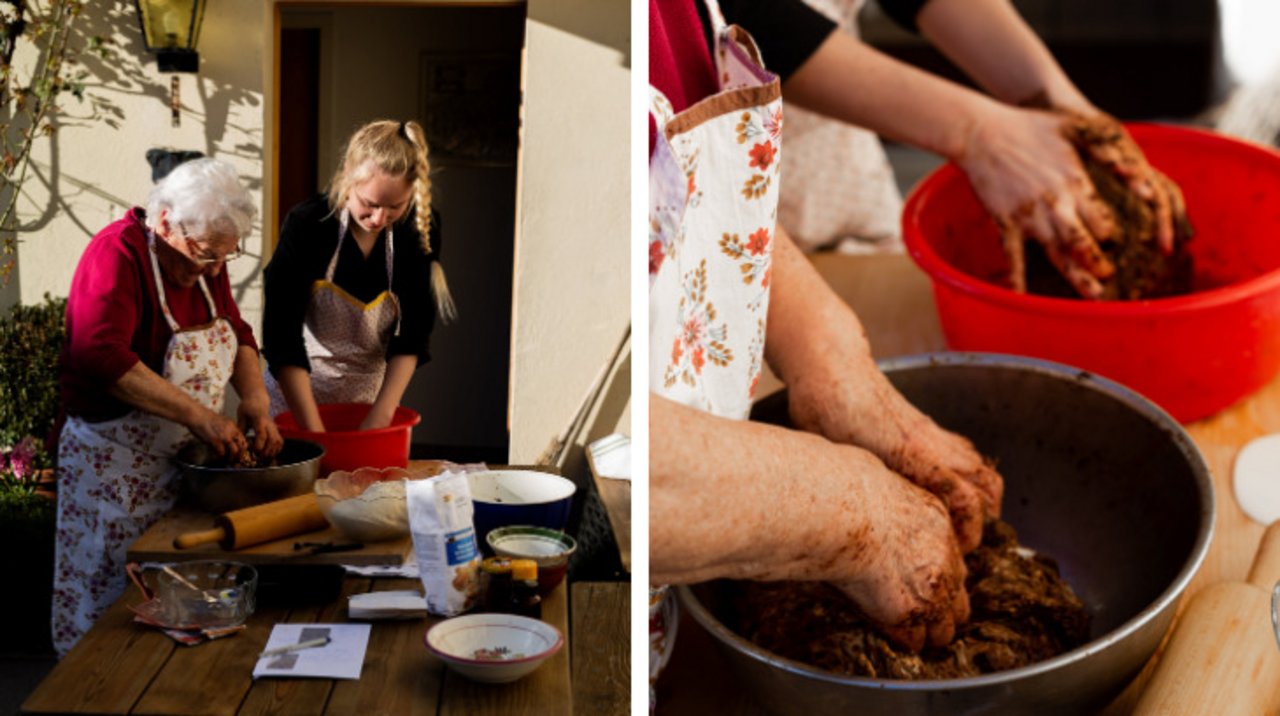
(187, 583)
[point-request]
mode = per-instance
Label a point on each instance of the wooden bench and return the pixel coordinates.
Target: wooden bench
(601, 648)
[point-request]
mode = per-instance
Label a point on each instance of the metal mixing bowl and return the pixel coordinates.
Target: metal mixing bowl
(222, 489)
(1096, 477)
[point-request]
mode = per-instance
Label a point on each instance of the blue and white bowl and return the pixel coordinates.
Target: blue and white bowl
(519, 497)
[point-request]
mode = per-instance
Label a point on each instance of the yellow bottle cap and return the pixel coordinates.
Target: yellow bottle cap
(524, 569)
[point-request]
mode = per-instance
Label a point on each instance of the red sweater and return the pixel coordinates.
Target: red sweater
(114, 318)
(679, 61)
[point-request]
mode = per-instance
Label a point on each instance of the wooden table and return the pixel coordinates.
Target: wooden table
(120, 667)
(895, 302)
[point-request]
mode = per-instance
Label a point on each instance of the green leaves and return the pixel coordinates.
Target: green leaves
(31, 341)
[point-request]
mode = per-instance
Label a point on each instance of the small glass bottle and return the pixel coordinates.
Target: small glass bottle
(525, 600)
(496, 584)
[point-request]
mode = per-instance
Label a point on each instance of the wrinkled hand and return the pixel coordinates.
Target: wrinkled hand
(1030, 178)
(255, 415)
(1102, 138)
(219, 432)
(910, 575)
(857, 405)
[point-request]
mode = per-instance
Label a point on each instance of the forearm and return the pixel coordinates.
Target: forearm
(145, 390)
(991, 42)
(246, 377)
(295, 383)
(809, 326)
(745, 500)
(849, 80)
(395, 381)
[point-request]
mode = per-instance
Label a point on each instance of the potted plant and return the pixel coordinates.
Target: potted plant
(31, 340)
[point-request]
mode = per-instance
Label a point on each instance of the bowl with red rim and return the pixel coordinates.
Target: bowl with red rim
(493, 648)
(347, 447)
(1192, 354)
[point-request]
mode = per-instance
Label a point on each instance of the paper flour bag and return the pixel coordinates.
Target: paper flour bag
(444, 541)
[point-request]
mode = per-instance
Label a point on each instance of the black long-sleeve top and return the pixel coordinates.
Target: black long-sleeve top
(307, 242)
(788, 32)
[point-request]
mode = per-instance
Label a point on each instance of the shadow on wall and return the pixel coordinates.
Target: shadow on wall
(592, 20)
(126, 73)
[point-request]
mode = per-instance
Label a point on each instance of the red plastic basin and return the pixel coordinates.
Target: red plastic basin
(347, 448)
(1193, 354)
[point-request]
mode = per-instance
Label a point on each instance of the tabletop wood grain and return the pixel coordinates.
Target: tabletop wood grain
(894, 301)
(602, 651)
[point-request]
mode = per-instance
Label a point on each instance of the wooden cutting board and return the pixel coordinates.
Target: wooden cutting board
(156, 545)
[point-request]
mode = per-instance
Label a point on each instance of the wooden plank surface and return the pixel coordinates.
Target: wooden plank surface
(601, 658)
(545, 691)
(894, 301)
(616, 496)
(108, 670)
(156, 545)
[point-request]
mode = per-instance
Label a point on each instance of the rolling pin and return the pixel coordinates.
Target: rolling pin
(1223, 658)
(261, 523)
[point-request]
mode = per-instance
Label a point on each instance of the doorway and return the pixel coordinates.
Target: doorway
(456, 70)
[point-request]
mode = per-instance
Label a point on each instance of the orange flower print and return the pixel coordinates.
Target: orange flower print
(762, 155)
(691, 186)
(656, 255)
(701, 339)
(754, 255)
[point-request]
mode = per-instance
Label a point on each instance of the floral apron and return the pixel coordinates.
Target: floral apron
(840, 192)
(346, 338)
(115, 478)
(713, 195)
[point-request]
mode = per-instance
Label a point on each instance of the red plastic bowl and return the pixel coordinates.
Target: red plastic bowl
(347, 448)
(1194, 354)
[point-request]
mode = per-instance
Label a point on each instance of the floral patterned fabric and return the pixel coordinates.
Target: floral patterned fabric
(115, 478)
(346, 338)
(713, 197)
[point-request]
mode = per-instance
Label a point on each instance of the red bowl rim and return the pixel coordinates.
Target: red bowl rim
(932, 264)
(414, 417)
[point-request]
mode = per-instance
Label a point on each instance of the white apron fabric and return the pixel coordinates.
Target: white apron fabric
(115, 478)
(840, 191)
(346, 338)
(713, 191)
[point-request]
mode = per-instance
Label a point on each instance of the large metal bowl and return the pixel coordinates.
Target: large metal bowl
(1095, 476)
(222, 489)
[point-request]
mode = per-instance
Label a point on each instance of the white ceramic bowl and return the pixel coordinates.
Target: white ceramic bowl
(365, 505)
(493, 648)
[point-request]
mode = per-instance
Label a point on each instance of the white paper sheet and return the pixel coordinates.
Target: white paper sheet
(341, 658)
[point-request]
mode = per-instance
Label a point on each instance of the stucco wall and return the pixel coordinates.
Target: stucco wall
(94, 168)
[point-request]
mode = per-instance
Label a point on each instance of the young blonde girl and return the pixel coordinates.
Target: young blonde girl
(348, 313)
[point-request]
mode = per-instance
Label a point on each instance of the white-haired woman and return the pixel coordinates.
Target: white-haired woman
(153, 338)
(349, 309)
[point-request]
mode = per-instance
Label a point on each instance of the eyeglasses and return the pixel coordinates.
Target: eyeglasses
(202, 257)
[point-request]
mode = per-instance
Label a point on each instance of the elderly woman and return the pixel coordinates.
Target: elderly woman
(153, 337)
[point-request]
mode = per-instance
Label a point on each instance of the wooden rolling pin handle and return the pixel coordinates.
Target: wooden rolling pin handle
(195, 539)
(1265, 571)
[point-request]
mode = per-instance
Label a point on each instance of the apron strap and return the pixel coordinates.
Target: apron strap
(164, 302)
(718, 23)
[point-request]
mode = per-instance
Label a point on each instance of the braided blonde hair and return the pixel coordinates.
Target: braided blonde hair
(398, 149)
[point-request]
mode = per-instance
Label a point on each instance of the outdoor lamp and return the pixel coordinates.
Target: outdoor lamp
(170, 29)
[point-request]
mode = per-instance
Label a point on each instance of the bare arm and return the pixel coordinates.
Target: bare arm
(749, 501)
(142, 388)
(399, 372)
(295, 383)
(991, 42)
(817, 346)
(255, 406)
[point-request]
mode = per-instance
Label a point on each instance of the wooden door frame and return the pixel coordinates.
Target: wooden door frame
(271, 81)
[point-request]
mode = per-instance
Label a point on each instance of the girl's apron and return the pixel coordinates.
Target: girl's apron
(840, 191)
(346, 338)
(115, 478)
(713, 194)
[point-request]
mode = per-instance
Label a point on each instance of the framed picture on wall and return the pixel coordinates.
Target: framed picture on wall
(470, 107)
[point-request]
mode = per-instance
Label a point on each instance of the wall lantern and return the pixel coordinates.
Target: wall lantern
(170, 29)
